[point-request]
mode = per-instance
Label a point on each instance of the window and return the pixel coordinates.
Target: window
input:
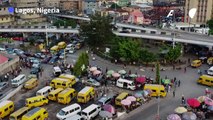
(153, 90)
(11, 106)
(91, 112)
(66, 113)
(63, 84)
(76, 108)
(45, 112)
(207, 80)
(58, 83)
(72, 110)
(44, 98)
(38, 117)
(6, 109)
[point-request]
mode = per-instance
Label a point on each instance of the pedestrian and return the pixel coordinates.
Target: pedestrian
(166, 77)
(174, 79)
(183, 100)
(169, 88)
(198, 71)
(174, 93)
(185, 70)
(178, 83)
(189, 61)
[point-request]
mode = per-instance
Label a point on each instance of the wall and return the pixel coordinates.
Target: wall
(8, 66)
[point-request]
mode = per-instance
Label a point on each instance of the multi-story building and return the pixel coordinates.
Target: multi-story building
(28, 18)
(5, 15)
(52, 3)
(204, 11)
(69, 5)
(89, 6)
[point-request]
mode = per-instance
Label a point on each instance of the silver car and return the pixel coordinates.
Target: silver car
(92, 82)
(3, 85)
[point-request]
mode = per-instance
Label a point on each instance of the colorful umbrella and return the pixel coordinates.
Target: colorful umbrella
(201, 99)
(166, 81)
(210, 108)
(96, 72)
(126, 102)
(122, 72)
(208, 101)
(131, 98)
(109, 108)
(93, 69)
(180, 110)
(193, 102)
(133, 75)
(145, 93)
(173, 117)
(116, 75)
(141, 79)
(189, 116)
(110, 72)
(105, 114)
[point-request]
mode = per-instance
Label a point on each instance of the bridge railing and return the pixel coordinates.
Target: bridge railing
(35, 27)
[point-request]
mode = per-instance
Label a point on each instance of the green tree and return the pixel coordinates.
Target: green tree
(146, 56)
(65, 22)
(157, 66)
(98, 31)
(129, 50)
(174, 53)
(210, 24)
(81, 64)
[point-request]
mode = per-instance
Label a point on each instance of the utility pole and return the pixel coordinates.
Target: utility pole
(47, 42)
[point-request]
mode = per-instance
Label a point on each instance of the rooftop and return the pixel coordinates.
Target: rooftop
(3, 59)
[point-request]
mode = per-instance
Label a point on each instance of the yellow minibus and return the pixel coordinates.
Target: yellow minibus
(205, 80)
(17, 115)
(31, 83)
(61, 83)
(86, 94)
(53, 95)
(157, 90)
(36, 101)
(120, 97)
(62, 45)
(66, 95)
(36, 114)
(6, 107)
(72, 78)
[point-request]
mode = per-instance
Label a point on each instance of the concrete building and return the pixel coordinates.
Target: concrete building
(204, 11)
(89, 6)
(5, 16)
(28, 18)
(52, 3)
(70, 5)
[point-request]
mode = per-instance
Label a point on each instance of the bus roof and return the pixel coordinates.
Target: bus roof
(89, 108)
(61, 43)
(67, 76)
(44, 89)
(31, 80)
(61, 79)
(31, 98)
(56, 91)
(3, 103)
(125, 80)
(20, 111)
(154, 85)
(85, 89)
(19, 76)
(211, 68)
(121, 95)
(33, 111)
(70, 107)
(67, 90)
(57, 69)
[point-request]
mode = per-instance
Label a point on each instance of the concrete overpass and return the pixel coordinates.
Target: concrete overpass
(183, 37)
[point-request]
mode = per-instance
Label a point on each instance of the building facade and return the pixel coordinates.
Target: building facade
(70, 5)
(5, 16)
(204, 11)
(52, 3)
(89, 6)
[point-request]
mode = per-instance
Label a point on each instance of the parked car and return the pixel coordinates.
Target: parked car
(53, 60)
(18, 38)
(34, 71)
(105, 100)
(39, 55)
(92, 82)
(46, 60)
(3, 85)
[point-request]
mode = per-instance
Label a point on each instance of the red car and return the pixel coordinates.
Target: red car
(18, 38)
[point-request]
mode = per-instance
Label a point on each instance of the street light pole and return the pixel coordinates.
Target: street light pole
(47, 42)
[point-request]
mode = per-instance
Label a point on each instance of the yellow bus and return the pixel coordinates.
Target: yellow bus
(54, 49)
(66, 95)
(60, 83)
(120, 97)
(157, 90)
(36, 114)
(205, 80)
(53, 95)
(72, 78)
(6, 107)
(62, 45)
(36, 101)
(86, 94)
(17, 115)
(31, 83)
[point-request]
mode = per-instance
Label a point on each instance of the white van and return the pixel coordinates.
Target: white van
(57, 71)
(68, 111)
(210, 71)
(18, 80)
(124, 83)
(91, 112)
(44, 91)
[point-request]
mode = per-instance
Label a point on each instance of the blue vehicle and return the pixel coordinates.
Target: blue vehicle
(53, 60)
